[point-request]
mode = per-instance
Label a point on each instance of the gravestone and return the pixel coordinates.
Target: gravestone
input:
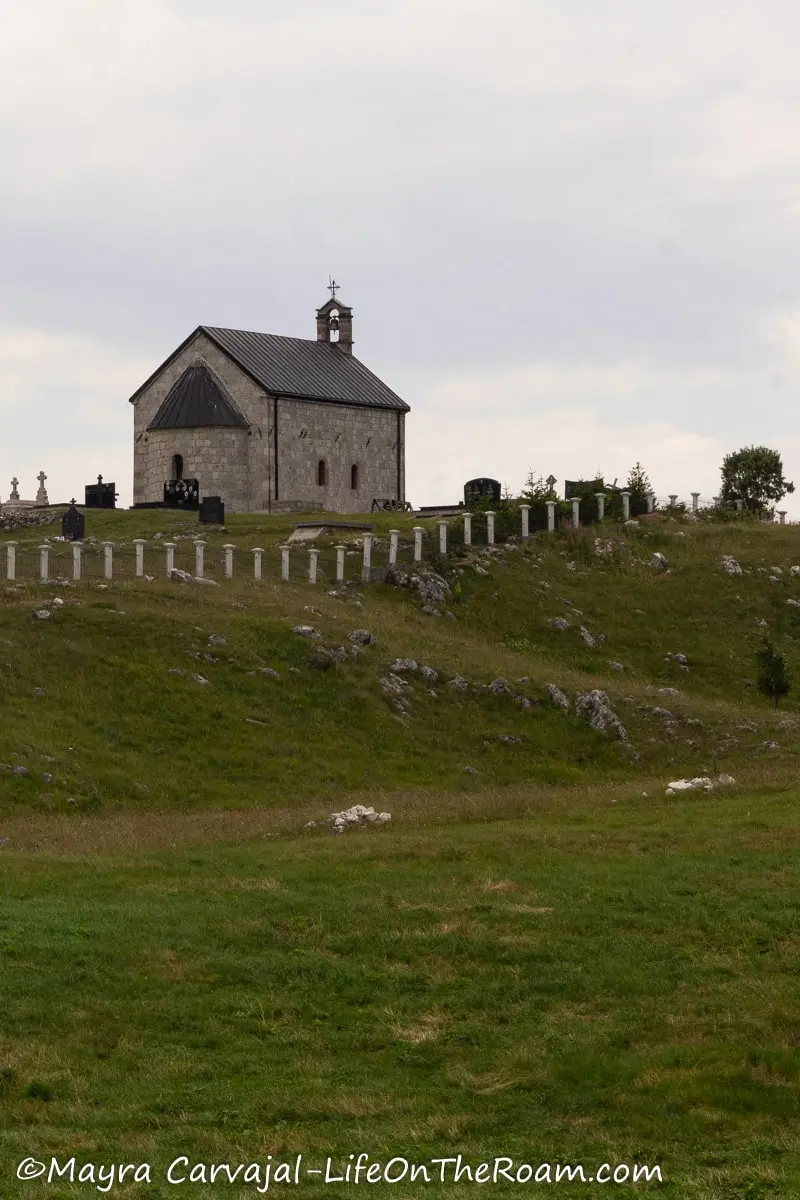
(100, 495)
(212, 511)
(73, 523)
(41, 495)
(482, 489)
(578, 487)
(14, 493)
(182, 493)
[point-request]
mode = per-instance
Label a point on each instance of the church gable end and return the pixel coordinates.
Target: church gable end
(196, 401)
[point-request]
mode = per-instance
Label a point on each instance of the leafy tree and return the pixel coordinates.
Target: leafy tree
(535, 488)
(774, 673)
(753, 474)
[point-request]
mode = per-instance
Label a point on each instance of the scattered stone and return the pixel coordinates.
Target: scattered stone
(557, 696)
(470, 771)
(499, 687)
(587, 637)
(459, 683)
(702, 783)
(431, 610)
(429, 674)
(509, 740)
(253, 721)
(658, 562)
(358, 814)
(769, 746)
(362, 637)
(272, 674)
(216, 639)
(596, 705)
(394, 685)
(199, 679)
(42, 614)
(668, 691)
(401, 666)
(730, 565)
(680, 659)
(38, 691)
(307, 631)
(321, 659)
(559, 623)
(175, 671)
(616, 666)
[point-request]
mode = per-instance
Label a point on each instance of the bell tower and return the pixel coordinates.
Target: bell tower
(335, 322)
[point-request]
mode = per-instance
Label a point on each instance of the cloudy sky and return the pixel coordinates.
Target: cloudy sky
(568, 228)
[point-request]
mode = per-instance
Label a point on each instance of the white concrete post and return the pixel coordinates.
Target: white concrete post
(490, 528)
(600, 497)
(717, 500)
(170, 549)
(257, 552)
(229, 549)
(366, 562)
(11, 560)
(443, 537)
(108, 559)
(76, 560)
(340, 564)
(467, 529)
(199, 557)
(418, 532)
(626, 506)
(525, 510)
(44, 560)
(651, 499)
(284, 564)
(695, 501)
(313, 559)
(782, 515)
(576, 512)
(393, 536)
(740, 505)
(673, 500)
(551, 515)
(139, 544)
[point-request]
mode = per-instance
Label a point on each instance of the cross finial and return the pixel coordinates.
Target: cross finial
(332, 286)
(41, 477)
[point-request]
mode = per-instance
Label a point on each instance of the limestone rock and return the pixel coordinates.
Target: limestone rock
(362, 637)
(429, 674)
(307, 631)
(41, 614)
(500, 687)
(557, 696)
(658, 562)
(597, 706)
(402, 666)
(216, 639)
(459, 683)
(730, 565)
(559, 623)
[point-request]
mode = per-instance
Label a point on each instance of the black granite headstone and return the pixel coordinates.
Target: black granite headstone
(212, 511)
(482, 489)
(73, 524)
(101, 495)
(182, 493)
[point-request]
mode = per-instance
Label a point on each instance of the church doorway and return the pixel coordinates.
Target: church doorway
(177, 466)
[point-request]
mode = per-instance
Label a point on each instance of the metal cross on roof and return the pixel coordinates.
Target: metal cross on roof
(332, 286)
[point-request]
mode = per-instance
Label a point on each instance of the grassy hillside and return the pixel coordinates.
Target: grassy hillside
(101, 697)
(541, 956)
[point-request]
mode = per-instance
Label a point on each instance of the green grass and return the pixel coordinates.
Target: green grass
(597, 982)
(541, 957)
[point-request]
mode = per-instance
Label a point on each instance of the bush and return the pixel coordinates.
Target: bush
(774, 674)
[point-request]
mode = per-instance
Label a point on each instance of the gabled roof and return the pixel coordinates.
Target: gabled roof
(195, 400)
(297, 367)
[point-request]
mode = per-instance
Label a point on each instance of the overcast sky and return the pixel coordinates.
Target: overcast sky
(568, 229)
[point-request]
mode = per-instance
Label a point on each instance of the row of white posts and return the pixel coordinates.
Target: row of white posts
(313, 554)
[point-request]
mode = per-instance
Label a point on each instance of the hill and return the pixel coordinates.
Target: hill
(542, 960)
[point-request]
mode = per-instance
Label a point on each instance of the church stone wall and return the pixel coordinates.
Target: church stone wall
(237, 464)
(341, 435)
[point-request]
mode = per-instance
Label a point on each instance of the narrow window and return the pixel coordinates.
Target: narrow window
(177, 466)
(322, 473)
(354, 477)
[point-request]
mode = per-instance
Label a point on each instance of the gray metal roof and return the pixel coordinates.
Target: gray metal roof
(288, 366)
(195, 400)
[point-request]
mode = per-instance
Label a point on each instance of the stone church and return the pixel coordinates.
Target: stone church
(271, 423)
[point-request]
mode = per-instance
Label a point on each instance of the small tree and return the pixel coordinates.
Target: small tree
(774, 674)
(753, 474)
(638, 483)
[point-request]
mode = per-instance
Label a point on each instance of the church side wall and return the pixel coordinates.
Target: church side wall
(342, 435)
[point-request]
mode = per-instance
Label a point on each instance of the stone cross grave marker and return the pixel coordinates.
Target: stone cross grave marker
(41, 495)
(14, 485)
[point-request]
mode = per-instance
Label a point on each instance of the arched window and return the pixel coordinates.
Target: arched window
(354, 477)
(177, 466)
(322, 473)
